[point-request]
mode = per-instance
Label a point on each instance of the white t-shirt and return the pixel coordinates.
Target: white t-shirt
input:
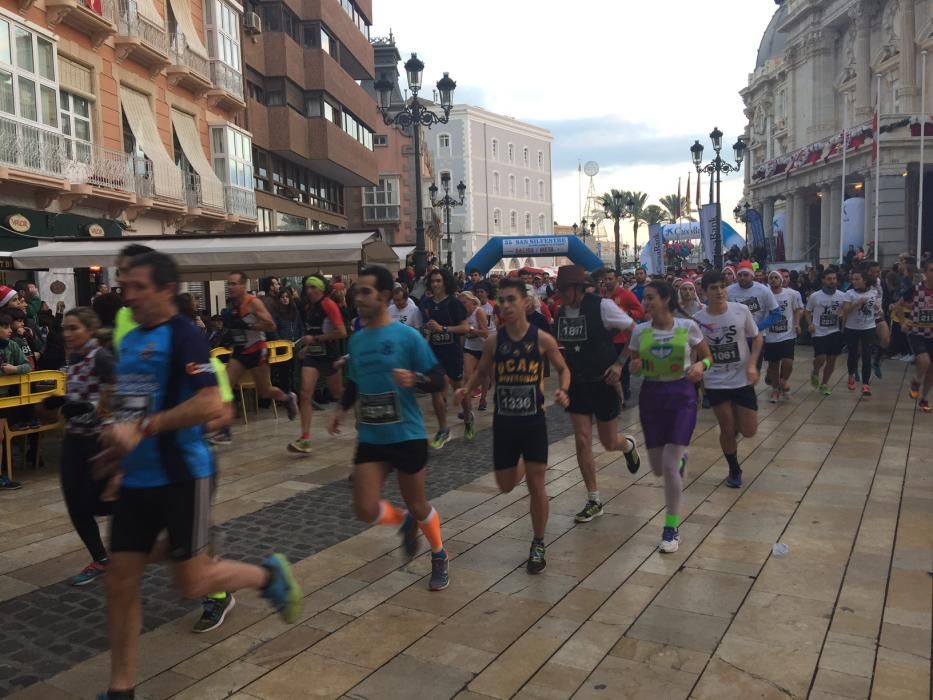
(410, 315)
(826, 310)
(475, 343)
(727, 335)
(694, 338)
(862, 318)
(490, 312)
(788, 301)
(758, 298)
(612, 316)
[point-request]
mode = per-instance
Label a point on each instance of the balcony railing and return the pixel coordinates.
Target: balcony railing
(87, 163)
(182, 55)
(240, 202)
(191, 182)
(103, 8)
(227, 78)
(131, 23)
(143, 177)
(31, 148)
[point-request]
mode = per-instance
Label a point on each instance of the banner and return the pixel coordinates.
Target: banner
(540, 246)
(656, 249)
(681, 232)
(710, 233)
(754, 229)
(853, 224)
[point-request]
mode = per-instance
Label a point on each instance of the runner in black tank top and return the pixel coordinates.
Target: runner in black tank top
(519, 430)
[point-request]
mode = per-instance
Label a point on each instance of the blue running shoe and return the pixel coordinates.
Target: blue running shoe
(440, 576)
(283, 590)
(670, 540)
(409, 533)
(735, 480)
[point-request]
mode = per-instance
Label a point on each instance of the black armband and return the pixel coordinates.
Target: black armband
(348, 397)
(432, 382)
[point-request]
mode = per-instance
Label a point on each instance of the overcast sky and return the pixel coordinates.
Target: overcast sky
(627, 83)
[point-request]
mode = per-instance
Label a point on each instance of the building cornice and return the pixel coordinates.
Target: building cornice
(505, 122)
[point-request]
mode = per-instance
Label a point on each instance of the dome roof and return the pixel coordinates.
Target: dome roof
(773, 42)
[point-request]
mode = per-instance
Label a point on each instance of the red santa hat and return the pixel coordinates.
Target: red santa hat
(6, 295)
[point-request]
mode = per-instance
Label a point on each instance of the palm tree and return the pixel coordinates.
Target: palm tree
(653, 214)
(635, 210)
(613, 204)
(669, 202)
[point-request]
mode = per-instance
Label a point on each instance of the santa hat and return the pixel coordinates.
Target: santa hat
(729, 268)
(746, 265)
(6, 295)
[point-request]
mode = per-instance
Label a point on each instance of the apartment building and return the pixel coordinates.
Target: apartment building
(118, 117)
(311, 120)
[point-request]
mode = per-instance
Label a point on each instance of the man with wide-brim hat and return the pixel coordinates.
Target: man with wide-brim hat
(585, 326)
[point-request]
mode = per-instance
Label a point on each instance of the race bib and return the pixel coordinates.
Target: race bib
(924, 318)
(725, 353)
(829, 319)
(780, 326)
(516, 400)
(129, 407)
(379, 409)
(314, 349)
(571, 330)
(752, 304)
(238, 338)
(442, 338)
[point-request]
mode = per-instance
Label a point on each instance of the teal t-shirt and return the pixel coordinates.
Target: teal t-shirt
(387, 413)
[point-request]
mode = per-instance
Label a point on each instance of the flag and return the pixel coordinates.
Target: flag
(679, 199)
(687, 199)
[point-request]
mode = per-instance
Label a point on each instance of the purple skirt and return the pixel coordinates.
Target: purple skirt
(668, 412)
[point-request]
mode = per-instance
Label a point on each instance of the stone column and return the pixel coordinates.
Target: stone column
(767, 216)
(835, 220)
(869, 191)
(826, 220)
(800, 234)
(863, 76)
(789, 230)
(908, 93)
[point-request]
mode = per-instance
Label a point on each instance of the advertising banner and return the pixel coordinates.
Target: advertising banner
(709, 231)
(656, 249)
(539, 246)
(754, 229)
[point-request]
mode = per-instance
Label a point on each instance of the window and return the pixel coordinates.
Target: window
(527, 188)
(261, 171)
(232, 153)
(76, 126)
(541, 190)
(382, 203)
(444, 175)
(540, 160)
(497, 220)
(28, 80)
(525, 157)
(355, 16)
(527, 222)
(495, 149)
(495, 183)
(255, 92)
(225, 33)
(264, 219)
(443, 142)
(290, 222)
(274, 174)
(511, 185)
(541, 224)
(357, 130)
(513, 221)
(380, 140)
(511, 153)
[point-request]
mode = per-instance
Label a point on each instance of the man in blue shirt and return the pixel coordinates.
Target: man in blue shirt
(166, 391)
(387, 362)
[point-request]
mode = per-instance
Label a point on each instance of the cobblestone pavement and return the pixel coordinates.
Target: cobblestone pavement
(846, 483)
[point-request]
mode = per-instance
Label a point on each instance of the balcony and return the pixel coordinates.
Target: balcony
(187, 69)
(227, 93)
(339, 156)
(140, 40)
(98, 176)
(32, 155)
(240, 203)
(91, 17)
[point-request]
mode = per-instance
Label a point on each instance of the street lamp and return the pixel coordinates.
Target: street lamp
(717, 167)
(415, 113)
(447, 202)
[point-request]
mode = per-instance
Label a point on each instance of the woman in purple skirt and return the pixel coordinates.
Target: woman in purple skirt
(662, 352)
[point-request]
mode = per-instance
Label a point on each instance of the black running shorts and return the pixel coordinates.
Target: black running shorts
(514, 440)
(408, 457)
(594, 399)
(783, 350)
(744, 396)
(920, 345)
(829, 345)
(251, 360)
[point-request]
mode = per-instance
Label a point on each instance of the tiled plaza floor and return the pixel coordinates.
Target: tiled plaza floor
(846, 483)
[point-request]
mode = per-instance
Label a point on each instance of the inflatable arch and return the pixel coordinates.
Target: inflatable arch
(500, 247)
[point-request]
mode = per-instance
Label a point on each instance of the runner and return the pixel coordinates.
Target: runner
(483, 292)
(445, 320)
(519, 428)
(756, 296)
(863, 303)
(249, 320)
(166, 389)
(403, 309)
(920, 335)
(872, 268)
(387, 361)
(730, 382)
(630, 304)
(318, 352)
(585, 325)
(824, 310)
(475, 337)
(781, 339)
(661, 352)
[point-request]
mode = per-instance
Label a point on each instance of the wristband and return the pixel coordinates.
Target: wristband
(147, 427)
(706, 363)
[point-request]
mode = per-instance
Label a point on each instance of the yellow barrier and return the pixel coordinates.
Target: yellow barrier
(30, 393)
(279, 351)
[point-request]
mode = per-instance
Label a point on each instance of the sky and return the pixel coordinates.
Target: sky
(629, 84)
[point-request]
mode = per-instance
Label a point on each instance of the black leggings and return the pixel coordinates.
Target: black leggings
(82, 493)
(859, 341)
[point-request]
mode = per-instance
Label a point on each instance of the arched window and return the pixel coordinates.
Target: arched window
(495, 182)
(497, 220)
(511, 185)
(540, 160)
(541, 224)
(513, 221)
(525, 157)
(527, 222)
(443, 142)
(541, 190)
(527, 188)
(511, 153)
(495, 149)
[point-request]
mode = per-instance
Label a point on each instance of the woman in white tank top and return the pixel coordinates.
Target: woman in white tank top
(474, 339)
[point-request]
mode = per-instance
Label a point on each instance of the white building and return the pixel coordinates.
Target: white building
(817, 74)
(506, 166)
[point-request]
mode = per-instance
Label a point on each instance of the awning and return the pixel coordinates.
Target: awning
(186, 129)
(140, 117)
(185, 24)
(213, 257)
(403, 251)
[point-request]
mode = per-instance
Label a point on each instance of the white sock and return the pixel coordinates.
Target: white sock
(594, 497)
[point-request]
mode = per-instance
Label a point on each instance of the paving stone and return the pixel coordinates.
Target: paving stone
(406, 678)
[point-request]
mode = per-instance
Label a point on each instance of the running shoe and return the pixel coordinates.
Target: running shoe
(292, 406)
(734, 481)
(440, 575)
(670, 540)
(9, 484)
(914, 389)
(441, 438)
(215, 610)
(282, 590)
(300, 445)
(592, 509)
(825, 390)
(925, 406)
(477, 393)
(815, 380)
(536, 561)
(876, 367)
(632, 460)
(221, 437)
(482, 404)
(775, 395)
(851, 382)
(469, 428)
(409, 533)
(866, 390)
(89, 573)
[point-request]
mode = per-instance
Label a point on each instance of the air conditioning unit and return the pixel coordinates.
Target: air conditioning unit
(290, 192)
(252, 23)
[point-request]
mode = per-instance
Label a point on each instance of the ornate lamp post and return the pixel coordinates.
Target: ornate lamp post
(415, 113)
(447, 202)
(717, 167)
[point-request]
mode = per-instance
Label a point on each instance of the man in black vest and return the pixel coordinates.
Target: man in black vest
(585, 326)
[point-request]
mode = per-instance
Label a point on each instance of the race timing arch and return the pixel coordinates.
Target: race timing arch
(500, 247)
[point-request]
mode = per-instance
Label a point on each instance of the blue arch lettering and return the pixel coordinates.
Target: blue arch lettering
(535, 246)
